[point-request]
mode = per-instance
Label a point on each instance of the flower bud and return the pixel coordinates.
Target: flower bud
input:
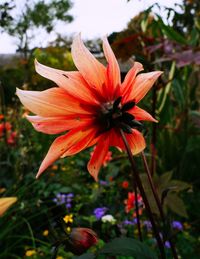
(80, 239)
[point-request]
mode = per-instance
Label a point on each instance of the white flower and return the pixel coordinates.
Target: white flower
(108, 218)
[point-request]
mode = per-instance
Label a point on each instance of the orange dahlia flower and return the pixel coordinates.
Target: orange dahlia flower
(91, 104)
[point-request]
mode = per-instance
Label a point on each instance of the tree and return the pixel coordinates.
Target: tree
(35, 15)
(5, 17)
(39, 14)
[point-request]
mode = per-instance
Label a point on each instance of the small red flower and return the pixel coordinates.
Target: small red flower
(130, 202)
(12, 138)
(92, 105)
(6, 129)
(125, 184)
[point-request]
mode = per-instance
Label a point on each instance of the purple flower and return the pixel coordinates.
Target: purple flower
(68, 205)
(99, 212)
(148, 225)
(103, 182)
(177, 225)
(167, 244)
(59, 199)
(64, 199)
(70, 195)
(128, 222)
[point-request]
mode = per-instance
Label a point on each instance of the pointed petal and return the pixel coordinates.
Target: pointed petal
(53, 74)
(130, 77)
(72, 82)
(114, 77)
(50, 103)
(136, 141)
(5, 203)
(142, 85)
(116, 140)
(98, 156)
(59, 147)
(141, 115)
(55, 125)
(90, 68)
(85, 142)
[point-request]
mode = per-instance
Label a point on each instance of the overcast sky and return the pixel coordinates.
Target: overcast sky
(93, 18)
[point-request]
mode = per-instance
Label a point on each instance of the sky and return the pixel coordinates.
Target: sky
(93, 18)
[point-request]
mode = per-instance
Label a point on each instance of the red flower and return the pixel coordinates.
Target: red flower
(125, 184)
(6, 129)
(130, 202)
(12, 138)
(80, 239)
(92, 105)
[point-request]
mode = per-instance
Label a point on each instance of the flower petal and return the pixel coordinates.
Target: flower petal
(130, 77)
(98, 156)
(114, 77)
(50, 103)
(142, 84)
(85, 142)
(141, 115)
(90, 68)
(60, 146)
(72, 82)
(5, 203)
(135, 140)
(55, 125)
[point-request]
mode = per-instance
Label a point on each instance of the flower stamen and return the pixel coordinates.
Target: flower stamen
(114, 114)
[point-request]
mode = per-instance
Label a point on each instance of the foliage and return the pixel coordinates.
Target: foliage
(32, 226)
(5, 17)
(39, 14)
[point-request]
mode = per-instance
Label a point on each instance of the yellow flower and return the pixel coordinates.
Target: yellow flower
(45, 233)
(68, 229)
(59, 257)
(5, 203)
(30, 252)
(68, 218)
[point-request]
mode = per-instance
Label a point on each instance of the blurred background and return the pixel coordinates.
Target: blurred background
(162, 35)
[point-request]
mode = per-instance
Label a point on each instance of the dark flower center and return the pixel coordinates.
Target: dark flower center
(115, 115)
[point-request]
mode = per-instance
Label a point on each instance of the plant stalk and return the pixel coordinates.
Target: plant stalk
(144, 197)
(158, 202)
(154, 128)
(137, 211)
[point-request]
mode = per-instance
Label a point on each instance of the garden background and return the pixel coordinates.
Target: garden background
(66, 196)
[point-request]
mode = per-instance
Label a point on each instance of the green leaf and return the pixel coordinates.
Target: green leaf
(180, 185)
(176, 204)
(128, 247)
(166, 177)
(171, 33)
(163, 93)
(178, 92)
